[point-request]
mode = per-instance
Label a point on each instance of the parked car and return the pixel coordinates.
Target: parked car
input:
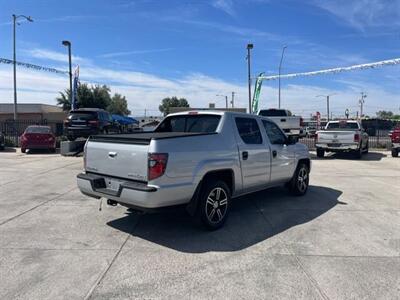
(342, 136)
(395, 138)
(289, 123)
(84, 122)
(310, 132)
(38, 137)
(2, 141)
(197, 159)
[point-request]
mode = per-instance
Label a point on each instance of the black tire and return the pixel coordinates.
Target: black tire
(358, 153)
(71, 138)
(213, 204)
(23, 150)
(320, 153)
(395, 152)
(298, 185)
(53, 150)
(366, 150)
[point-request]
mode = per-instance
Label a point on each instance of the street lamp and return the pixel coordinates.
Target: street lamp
(15, 18)
(226, 99)
(249, 47)
(279, 77)
(327, 103)
(68, 44)
(361, 102)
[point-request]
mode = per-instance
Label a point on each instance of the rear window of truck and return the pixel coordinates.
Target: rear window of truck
(343, 125)
(275, 113)
(190, 123)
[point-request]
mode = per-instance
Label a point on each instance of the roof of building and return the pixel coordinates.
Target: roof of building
(8, 108)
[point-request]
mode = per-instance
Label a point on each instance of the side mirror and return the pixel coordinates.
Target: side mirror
(291, 140)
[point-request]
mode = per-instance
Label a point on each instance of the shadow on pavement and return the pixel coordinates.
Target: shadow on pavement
(253, 219)
(41, 151)
(8, 150)
(371, 156)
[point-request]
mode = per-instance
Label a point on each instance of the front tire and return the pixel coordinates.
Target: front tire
(366, 150)
(358, 153)
(298, 185)
(395, 152)
(23, 150)
(213, 205)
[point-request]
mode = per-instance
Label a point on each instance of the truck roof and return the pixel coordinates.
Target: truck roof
(208, 112)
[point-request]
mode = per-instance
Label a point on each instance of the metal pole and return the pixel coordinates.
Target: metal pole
(279, 77)
(249, 77)
(233, 100)
(226, 102)
(70, 74)
(327, 106)
(15, 69)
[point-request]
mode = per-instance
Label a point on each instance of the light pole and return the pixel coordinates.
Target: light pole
(362, 101)
(233, 100)
(249, 47)
(327, 104)
(68, 44)
(15, 23)
(226, 99)
(279, 77)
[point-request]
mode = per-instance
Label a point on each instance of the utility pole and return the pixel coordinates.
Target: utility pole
(226, 99)
(233, 100)
(249, 47)
(15, 23)
(361, 102)
(279, 77)
(327, 104)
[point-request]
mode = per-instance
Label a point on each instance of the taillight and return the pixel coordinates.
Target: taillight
(356, 137)
(157, 163)
(84, 155)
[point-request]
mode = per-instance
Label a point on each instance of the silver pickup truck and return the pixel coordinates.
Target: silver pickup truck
(198, 159)
(342, 136)
(290, 124)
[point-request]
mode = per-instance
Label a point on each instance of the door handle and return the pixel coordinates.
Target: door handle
(245, 155)
(274, 153)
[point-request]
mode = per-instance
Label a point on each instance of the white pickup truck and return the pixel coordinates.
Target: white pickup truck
(342, 136)
(291, 125)
(198, 159)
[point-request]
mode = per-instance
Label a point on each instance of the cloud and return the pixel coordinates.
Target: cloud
(54, 56)
(225, 5)
(362, 14)
(133, 52)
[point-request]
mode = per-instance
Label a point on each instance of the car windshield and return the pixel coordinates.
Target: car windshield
(89, 115)
(37, 129)
(274, 113)
(190, 123)
(343, 125)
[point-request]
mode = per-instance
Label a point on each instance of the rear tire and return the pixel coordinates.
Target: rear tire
(213, 205)
(298, 185)
(395, 152)
(366, 150)
(320, 153)
(358, 153)
(23, 150)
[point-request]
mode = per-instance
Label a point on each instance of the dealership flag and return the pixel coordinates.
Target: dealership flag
(75, 88)
(256, 95)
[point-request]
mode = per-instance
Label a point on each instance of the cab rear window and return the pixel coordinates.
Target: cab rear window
(190, 123)
(343, 125)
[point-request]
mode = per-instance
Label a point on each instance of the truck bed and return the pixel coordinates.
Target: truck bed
(142, 137)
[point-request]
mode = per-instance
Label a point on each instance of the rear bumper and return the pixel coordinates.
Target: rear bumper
(135, 194)
(337, 148)
(38, 146)
(396, 145)
(80, 132)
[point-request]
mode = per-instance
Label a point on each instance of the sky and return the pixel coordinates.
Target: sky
(151, 49)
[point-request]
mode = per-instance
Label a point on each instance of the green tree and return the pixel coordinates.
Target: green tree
(94, 96)
(169, 102)
(383, 114)
(118, 105)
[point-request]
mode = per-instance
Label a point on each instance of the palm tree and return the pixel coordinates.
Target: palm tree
(63, 100)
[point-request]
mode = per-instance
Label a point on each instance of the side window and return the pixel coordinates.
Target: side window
(275, 135)
(101, 116)
(249, 130)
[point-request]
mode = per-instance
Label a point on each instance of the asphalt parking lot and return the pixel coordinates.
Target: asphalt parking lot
(340, 241)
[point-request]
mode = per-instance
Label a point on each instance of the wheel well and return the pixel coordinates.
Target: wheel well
(224, 175)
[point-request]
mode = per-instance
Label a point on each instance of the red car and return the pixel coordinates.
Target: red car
(38, 137)
(395, 137)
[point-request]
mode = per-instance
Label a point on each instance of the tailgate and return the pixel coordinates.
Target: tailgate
(335, 137)
(287, 122)
(124, 160)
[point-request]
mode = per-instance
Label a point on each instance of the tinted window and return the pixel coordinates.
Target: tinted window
(249, 130)
(82, 116)
(274, 113)
(37, 129)
(343, 125)
(190, 123)
(274, 133)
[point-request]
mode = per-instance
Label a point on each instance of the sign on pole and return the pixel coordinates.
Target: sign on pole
(256, 95)
(75, 88)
